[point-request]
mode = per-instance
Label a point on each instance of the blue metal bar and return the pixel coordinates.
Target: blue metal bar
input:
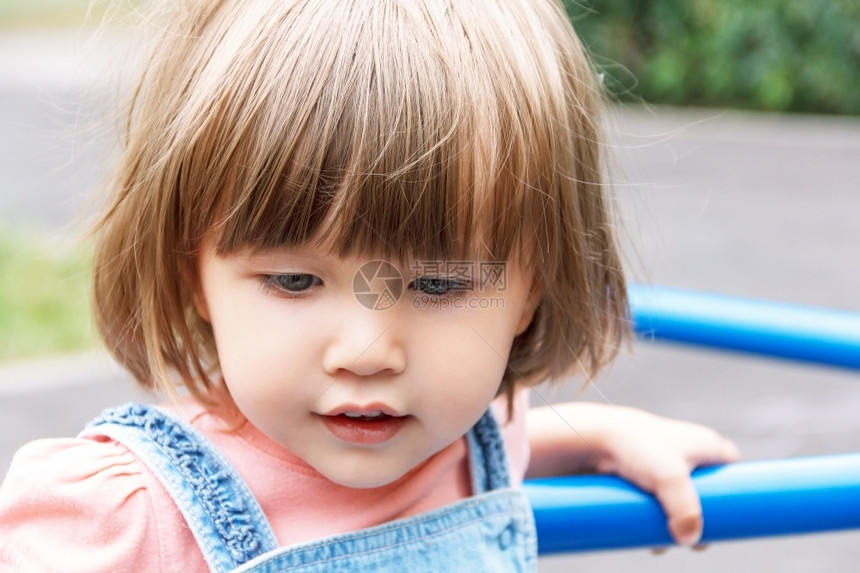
(780, 330)
(742, 500)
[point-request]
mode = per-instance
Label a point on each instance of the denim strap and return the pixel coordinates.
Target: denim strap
(227, 522)
(488, 460)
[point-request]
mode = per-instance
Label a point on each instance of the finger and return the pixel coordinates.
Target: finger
(730, 451)
(686, 530)
(718, 450)
(680, 502)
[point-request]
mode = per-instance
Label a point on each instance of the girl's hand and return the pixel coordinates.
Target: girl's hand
(655, 453)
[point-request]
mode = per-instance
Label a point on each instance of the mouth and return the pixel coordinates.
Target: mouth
(370, 425)
(374, 410)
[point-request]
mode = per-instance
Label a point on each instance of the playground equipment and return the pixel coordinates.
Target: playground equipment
(742, 500)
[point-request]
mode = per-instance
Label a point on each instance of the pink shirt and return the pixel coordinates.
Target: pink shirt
(89, 505)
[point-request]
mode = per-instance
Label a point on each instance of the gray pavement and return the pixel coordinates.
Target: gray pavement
(745, 204)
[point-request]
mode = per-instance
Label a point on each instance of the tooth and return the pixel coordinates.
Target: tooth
(352, 415)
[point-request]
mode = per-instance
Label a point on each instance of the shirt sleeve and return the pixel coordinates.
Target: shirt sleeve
(77, 505)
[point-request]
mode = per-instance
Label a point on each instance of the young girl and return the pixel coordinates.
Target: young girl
(346, 237)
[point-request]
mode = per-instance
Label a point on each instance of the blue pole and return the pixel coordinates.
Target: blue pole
(780, 330)
(747, 499)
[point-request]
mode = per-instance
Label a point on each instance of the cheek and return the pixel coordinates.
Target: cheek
(257, 349)
(261, 375)
(475, 355)
(463, 365)
(250, 324)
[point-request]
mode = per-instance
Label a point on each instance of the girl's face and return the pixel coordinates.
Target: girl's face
(319, 357)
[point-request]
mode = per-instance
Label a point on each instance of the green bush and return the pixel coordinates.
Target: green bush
(779, 55)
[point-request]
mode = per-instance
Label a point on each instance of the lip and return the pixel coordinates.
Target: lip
(364, 432)
(364, 410)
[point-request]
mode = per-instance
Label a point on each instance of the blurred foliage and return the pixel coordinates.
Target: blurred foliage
(44, 296)
(779, 55)
(16, 14)
(53, 14)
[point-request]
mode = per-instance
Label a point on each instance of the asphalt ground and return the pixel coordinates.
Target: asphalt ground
(753, 205)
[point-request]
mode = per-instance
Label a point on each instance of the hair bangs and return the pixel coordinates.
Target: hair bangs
(393, 146)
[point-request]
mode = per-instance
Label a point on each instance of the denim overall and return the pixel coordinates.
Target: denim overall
(491, 531)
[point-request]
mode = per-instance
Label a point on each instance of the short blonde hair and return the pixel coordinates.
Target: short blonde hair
(389, 127)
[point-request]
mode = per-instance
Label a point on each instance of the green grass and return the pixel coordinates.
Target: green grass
(44, 296)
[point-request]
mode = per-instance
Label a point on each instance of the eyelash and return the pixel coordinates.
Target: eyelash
(440, 286)
(276, 283)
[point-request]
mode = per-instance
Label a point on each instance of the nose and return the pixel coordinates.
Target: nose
(365, 343)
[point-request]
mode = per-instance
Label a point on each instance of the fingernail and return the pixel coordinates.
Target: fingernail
(688, 530)
(690, 539)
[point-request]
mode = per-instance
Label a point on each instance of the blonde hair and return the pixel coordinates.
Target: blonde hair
(389, 127)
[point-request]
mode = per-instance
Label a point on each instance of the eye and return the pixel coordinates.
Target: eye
(292, 283)
(440, 286)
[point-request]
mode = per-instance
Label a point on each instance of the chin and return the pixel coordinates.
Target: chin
(363, 479)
